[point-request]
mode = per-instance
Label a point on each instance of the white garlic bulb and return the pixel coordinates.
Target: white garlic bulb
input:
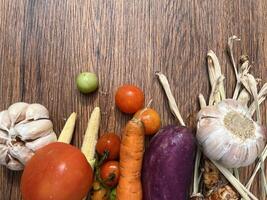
(228, 134)
(24, 128)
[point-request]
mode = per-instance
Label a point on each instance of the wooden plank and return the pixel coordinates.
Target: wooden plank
(45, 44)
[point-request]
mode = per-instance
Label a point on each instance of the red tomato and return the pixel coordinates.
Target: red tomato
(150, 119)
(129, 98)
(110, 173)
(57, 171)
(109, 142)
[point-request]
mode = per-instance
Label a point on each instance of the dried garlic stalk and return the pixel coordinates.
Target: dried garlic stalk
(196, 195)
(261, 97)
(244, 98)
(258, 167)
(231, 41)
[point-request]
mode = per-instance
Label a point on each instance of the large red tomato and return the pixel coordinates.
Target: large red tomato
(57, 171)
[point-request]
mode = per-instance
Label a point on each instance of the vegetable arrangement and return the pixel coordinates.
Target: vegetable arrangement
(228, 134)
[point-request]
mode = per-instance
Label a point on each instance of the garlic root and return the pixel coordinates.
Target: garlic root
(245, 193)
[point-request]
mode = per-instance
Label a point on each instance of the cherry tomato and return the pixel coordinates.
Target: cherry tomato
(57, 171)
(129, 98)
(109, 142)
(110, 173)
(151, 120)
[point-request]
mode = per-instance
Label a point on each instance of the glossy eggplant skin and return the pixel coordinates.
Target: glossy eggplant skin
(168, 164)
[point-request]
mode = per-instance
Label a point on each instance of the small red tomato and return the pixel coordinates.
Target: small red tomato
(110, 173)
(110, 143)
(129, 98)
(57, 171)
(150, 119)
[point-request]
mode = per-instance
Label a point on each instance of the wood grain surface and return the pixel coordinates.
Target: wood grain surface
(44, 44)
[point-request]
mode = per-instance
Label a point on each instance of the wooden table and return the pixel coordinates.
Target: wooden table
(44, 44)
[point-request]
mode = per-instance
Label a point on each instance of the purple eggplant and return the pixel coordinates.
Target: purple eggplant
(168, 164)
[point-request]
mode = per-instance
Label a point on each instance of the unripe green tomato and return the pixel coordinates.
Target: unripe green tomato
(87, 82)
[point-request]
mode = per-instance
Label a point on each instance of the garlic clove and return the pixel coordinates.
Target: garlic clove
(21, 153)
(261, 132)
(17, 112)
(260, 145)
(34, 129)
(3, 137)
(252, 153)
(209, 112)
(36, 111)
(3, 154)
(235, 156)
(5, 122)
(40, 142)
(14, 164)
(243, 153)
(216, 145)
(206, 126)
(203, 135)
(232, 105)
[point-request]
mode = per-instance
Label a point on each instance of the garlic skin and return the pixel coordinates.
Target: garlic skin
(24, 128)
(228, 134)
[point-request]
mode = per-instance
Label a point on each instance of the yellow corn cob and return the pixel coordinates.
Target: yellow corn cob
(67, 132)
(90, 137)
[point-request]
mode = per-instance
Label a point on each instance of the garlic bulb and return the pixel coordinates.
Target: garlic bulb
(24, 128)
(228, 134)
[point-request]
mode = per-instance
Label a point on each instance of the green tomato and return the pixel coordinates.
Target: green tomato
(87, 82)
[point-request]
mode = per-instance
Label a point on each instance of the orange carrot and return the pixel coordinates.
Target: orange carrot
(131, 156)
